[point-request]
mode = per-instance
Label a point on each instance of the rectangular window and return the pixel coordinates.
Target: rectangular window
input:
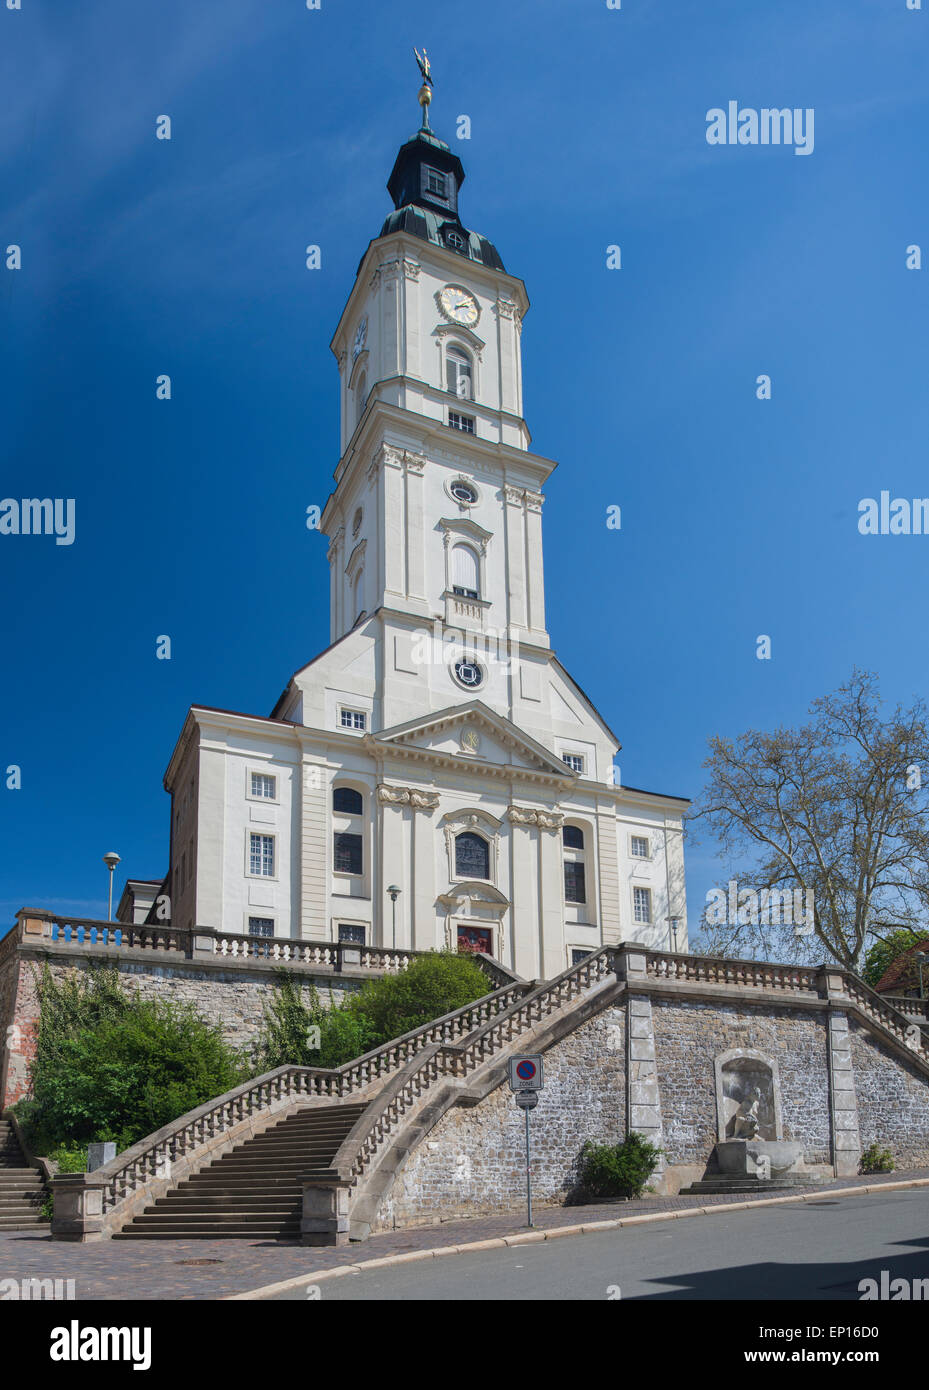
(574, 887)
(642, 905)
(352, 719)
(264, 786)
(639, 847)
(460, 422)
(463, 593)
(261, 855)
(435, 183)
(351, 933)
(346, 853)
(575, 761)
(577, 956)
(261, 926)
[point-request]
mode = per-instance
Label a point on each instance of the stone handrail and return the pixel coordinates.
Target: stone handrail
(877, 1008)
(448, 1059)
(908, 1005)
(152, 1156)
(750, 974)
(37, 927)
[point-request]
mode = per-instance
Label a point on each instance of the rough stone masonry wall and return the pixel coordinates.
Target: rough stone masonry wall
(473, 1161)
(688, 1038)
(893, 1100)
(232, 996)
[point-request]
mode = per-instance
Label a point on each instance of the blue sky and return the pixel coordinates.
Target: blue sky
(588, 129)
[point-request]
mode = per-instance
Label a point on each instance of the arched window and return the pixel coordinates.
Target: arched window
(348, 844)
(458, 373)
(361, 395)
(465, 572)
(472, 856)
(575, 864)
(347, 801)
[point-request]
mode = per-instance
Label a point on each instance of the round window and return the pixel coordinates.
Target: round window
(463, 492)
(468, 673)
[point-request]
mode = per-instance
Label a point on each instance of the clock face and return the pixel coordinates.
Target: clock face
(360, 337)
(459, 306)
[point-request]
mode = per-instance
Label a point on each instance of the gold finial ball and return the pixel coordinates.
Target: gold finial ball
(425, 95)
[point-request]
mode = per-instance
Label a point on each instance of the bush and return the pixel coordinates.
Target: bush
(113, 1066)
(70, 1158)
(384, 1009)
(618, 1170)
(876, 1159)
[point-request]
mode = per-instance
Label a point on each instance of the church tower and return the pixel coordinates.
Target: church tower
(434, 778)
(436, 515)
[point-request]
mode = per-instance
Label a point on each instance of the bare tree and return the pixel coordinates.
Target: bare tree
(835, 809)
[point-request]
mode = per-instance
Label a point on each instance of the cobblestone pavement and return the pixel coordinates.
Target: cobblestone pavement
(159, 1269)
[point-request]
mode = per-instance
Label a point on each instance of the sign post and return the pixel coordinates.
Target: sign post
(526, 1079)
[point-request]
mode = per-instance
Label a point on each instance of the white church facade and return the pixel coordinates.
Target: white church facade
(434, 778)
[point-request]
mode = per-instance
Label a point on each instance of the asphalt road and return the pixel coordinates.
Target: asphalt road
(812, 1250)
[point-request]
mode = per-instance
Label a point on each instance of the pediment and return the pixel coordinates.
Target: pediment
(473, 735)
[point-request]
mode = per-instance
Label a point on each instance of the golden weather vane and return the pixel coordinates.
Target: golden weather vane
(425, 91)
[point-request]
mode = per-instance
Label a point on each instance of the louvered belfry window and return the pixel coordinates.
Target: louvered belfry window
(464, 572)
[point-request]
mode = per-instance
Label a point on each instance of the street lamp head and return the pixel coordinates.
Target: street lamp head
(394, 892)
(111, 860)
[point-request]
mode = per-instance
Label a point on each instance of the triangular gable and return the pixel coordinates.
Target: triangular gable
(521, 749)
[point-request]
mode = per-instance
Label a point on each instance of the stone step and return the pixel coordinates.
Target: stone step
(16, 1223)
(258, 1216)
(756, 1185)
(198, 1201)
(211, 1233)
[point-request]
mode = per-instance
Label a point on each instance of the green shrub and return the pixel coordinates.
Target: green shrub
(114, 1066)
(71, 1158)
(618, 1170)
(384, 1009)
(432, 985)
(876, 1159)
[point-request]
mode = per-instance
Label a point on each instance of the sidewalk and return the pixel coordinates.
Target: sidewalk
(159, 1269)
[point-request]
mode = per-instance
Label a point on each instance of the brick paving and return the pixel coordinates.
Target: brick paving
(154, 1269)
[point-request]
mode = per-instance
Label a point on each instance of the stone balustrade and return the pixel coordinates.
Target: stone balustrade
(35, 927)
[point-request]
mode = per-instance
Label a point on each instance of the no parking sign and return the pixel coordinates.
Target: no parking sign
(525, 1072)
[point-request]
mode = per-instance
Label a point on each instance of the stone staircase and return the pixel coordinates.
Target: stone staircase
(723, 1185)
(22, 1189)
(256, 1190)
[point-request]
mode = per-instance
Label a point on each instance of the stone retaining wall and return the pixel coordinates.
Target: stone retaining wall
(690, 1035)
(473, 1161)
(893, 1100)
(229, 993)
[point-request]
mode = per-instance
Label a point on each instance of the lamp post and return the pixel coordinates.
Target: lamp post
(921, 958)
(111, 860)
(394, 892)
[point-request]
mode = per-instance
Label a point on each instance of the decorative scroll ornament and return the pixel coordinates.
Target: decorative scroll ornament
(407, 796)
(545, 820)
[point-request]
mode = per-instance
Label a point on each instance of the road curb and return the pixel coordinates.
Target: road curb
(538, 1237)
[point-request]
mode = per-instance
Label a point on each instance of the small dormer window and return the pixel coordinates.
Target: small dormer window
(455, 240)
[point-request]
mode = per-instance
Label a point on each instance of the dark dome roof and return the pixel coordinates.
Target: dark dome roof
(442, 231)
(424, 185)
